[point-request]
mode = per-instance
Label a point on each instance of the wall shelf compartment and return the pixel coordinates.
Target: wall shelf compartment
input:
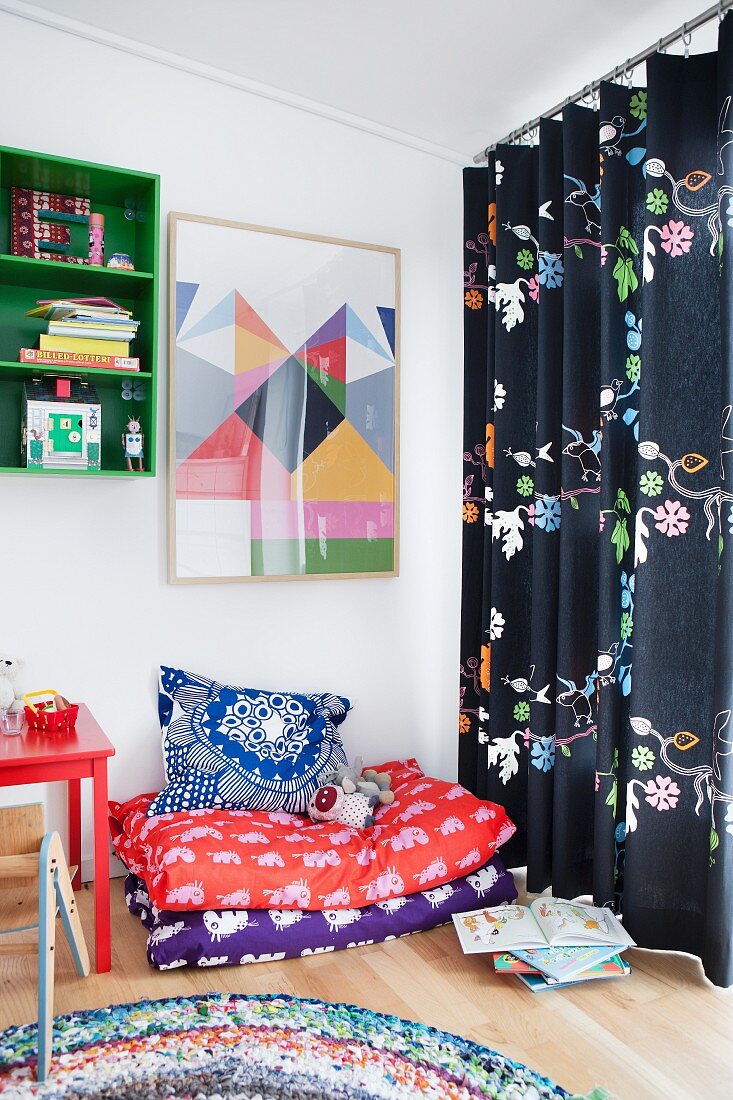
(130, 202)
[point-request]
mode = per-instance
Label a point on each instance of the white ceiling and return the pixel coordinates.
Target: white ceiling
(459, 74)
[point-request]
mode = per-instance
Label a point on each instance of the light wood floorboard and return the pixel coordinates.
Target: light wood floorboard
(665, 1032)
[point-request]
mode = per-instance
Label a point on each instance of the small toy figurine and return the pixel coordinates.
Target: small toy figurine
(133, 442)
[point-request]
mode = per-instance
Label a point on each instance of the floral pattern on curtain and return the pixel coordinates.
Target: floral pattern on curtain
(596, 668)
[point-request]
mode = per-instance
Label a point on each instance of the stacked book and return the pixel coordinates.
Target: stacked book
(549, 944)
(83, 332)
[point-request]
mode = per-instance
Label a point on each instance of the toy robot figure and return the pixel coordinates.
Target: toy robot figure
(133, 441)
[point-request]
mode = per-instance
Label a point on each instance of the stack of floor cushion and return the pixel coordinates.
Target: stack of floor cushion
(234, 886)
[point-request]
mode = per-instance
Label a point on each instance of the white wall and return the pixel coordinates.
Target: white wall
(89, 607)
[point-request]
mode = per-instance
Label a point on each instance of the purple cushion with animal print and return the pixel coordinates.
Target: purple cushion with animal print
(231, 937)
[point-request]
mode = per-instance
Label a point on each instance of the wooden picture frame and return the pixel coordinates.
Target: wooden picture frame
(283, 405)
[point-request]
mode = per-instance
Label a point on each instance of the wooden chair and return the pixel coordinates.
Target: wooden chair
(35, 881)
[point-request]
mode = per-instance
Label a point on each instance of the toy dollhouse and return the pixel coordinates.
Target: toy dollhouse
(62, 425)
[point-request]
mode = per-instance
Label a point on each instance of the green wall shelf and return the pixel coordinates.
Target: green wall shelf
(130, 202)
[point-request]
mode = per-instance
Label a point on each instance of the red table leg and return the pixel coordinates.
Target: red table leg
(74, 799)
(102, 930)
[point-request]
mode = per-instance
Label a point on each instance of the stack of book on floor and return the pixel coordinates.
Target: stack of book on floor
(83, 332)
(549, 944)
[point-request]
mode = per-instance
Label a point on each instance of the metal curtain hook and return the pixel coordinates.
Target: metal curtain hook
(596, 97)
(687, 39)
(628, 73)
(660, 47)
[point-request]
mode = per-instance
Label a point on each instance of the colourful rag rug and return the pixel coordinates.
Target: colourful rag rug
(220, 1046)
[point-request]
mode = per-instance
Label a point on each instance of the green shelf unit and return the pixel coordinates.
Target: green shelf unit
(12, 371)
(130, 202)
(26, 472)
(100, 281)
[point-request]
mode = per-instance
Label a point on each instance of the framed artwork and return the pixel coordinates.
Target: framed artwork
(284, 365)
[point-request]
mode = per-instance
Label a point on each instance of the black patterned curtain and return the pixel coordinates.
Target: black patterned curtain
(596, 672)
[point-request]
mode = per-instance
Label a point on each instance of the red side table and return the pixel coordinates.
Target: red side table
(37, 757)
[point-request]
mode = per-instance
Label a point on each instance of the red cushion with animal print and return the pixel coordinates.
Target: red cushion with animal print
(432, 833)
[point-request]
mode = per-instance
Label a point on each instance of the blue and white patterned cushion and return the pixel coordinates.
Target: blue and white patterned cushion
(242, 748)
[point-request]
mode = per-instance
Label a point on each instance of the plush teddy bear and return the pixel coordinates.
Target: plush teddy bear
(332, 803)
(352, 779)
(9, 697)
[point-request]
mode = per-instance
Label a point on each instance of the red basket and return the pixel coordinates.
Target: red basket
(51, 721)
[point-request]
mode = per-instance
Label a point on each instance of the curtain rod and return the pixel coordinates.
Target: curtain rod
(626, 68)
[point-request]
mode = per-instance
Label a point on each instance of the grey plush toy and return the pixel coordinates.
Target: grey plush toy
(352, 779)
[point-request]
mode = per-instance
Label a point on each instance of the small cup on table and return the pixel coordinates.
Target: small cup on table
(11, 722)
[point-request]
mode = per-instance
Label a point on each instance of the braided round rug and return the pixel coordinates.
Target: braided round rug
(220, 1046)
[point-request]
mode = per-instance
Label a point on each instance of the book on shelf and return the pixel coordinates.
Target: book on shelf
(83, 346)
(538, 983)
(87, 326)
(71, 359)
(91, 319)
(547, 922)
(92, 331)
(51, 309)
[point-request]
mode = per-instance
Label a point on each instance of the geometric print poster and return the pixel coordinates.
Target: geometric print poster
(283, 403)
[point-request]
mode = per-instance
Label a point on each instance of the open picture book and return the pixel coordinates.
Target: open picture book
(547, 922)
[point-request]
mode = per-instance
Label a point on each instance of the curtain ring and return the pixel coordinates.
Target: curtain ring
(628, 73)
(597, 97)
(686, 39)
(660, 47)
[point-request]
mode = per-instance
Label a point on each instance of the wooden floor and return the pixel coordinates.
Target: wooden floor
(665, 1032)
